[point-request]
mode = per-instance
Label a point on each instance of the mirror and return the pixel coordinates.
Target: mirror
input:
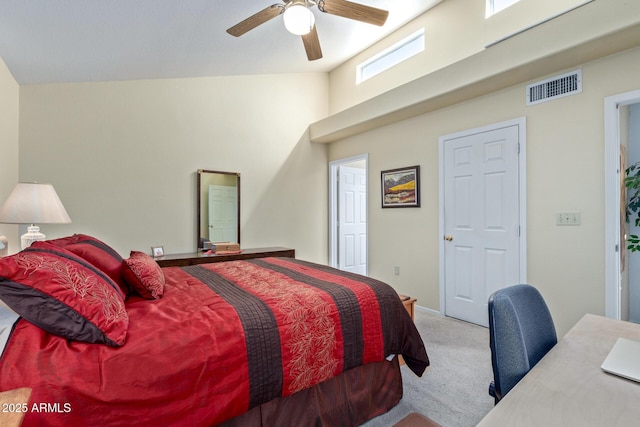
(218, 207)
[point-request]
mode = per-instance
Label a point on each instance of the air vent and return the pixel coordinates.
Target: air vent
(555, 87)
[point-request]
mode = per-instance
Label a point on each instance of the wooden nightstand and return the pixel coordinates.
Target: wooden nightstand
(15, 404)
(408, 304)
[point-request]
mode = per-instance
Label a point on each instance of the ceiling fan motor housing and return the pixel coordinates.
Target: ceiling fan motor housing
(298, 18)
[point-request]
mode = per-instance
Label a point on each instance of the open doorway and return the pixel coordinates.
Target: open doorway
(630, 261)
(619, 140)
(348, 211)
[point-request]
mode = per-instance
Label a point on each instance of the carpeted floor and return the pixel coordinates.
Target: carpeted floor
(453, 390)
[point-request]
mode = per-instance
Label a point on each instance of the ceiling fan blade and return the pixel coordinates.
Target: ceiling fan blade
(253, 21)
(312, 45)
(356, 11)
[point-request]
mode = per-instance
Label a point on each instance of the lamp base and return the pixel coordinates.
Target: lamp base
(4, 246)
(33, 234)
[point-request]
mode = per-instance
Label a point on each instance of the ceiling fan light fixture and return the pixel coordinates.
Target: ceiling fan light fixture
(298, 19)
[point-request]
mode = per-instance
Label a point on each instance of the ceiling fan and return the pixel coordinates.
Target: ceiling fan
(300, 20)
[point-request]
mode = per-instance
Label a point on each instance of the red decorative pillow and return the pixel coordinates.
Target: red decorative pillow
(64, 295)
(144, 275)
(97, 253)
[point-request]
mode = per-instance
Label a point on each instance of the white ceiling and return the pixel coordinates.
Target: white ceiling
(44, 41)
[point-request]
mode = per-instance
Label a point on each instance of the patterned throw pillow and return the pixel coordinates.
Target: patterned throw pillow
(64, 294)
(98, 253)
(144, 275)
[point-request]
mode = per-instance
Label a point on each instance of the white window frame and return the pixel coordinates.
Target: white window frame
(392, 56)
(495, 6)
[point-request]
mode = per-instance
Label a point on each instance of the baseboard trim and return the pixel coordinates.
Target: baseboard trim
(428, 310)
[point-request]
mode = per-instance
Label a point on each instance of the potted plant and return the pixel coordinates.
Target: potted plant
(632, 183)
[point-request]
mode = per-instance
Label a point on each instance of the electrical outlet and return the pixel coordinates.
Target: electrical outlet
(568, 218)
(396, 270)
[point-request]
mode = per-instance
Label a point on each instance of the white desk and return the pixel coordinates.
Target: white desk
(568, 388)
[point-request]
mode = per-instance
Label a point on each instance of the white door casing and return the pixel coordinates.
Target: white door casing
(352, 217)
(612, 199)
(482, 218)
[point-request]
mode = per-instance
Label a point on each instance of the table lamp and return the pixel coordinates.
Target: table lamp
(33, 203)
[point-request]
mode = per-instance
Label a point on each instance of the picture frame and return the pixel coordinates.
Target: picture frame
(157, 251)
(401, 187)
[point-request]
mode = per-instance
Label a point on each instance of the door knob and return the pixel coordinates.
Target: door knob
(448, 237)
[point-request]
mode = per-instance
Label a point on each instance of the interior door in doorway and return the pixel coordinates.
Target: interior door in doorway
(352, 219)
(481, 219)
(223, 202)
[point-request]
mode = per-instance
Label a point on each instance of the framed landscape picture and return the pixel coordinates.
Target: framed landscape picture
(401, 187)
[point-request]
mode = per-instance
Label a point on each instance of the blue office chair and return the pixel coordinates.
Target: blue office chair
(521, 332)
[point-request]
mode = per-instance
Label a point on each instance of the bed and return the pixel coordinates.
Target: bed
(272, 341)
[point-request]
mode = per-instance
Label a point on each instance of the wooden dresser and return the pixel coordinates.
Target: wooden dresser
(193, 258)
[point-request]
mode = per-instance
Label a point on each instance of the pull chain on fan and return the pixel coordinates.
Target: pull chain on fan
(299, 20)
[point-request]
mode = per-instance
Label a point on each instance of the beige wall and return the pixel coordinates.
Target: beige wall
(565, 167)
(454, 30)
(123, 157)
(9, 92)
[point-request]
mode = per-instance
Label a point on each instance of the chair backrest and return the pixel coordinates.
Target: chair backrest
(521, 332)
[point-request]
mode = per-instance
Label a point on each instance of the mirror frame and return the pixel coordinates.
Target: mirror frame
(199, 207)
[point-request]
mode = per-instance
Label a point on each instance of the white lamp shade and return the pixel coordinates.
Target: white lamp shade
(298, 19)
(33, 203)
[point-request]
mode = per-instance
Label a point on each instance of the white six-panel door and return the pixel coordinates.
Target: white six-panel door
(352, 236)
(481, 219)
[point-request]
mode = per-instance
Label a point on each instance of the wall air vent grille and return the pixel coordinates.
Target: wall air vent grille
(555, 87)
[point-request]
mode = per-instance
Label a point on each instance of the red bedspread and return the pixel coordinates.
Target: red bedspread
(224, 338)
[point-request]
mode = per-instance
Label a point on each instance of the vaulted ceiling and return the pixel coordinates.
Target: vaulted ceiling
(44, 41)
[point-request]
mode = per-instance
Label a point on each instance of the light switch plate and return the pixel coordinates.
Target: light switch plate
(568, 218)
